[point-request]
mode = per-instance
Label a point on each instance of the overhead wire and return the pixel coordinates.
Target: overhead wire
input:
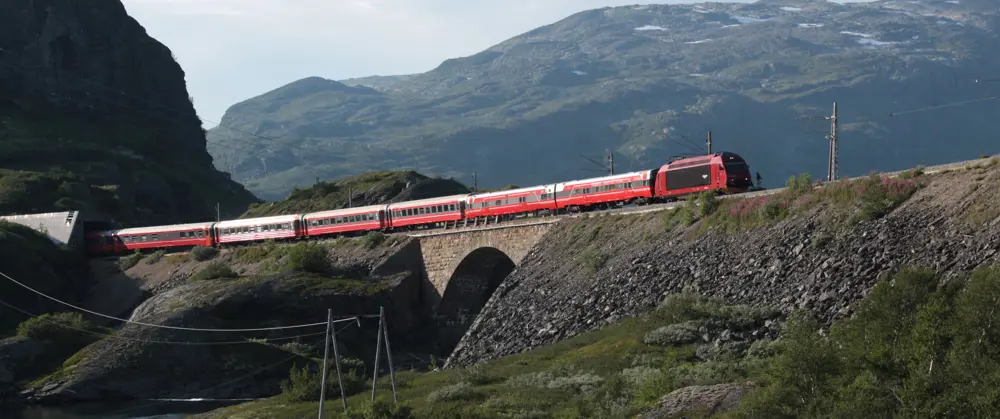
(193, 329)
(111, 336)
(238, 379)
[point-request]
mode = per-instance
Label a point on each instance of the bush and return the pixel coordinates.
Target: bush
(799, 185)
(373, 239)
(914, 345)
(454, 392)
(202, 253)
(674, 334)
(127, 262)
(214, 270)
(155, 257)
(303, 385)
(707, 203)
(307, 257)
(65, 333)
(879, 196)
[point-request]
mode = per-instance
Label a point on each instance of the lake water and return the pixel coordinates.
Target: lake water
(129, 410)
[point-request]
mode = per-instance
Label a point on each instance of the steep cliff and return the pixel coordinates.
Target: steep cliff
(95, 115)
(820, 250)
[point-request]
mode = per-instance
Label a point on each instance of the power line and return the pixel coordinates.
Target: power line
(149, 340)
(174, 327)
(243, 377)
(946, 105)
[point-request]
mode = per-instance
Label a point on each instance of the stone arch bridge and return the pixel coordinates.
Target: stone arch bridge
(464, 267)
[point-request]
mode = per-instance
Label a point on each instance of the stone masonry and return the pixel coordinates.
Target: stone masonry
(443, 252)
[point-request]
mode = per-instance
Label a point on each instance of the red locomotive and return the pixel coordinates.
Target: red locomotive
(723, 173)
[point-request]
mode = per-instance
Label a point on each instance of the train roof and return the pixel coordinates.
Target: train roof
(257, 221)
(346, 211)
(442, 199)
(160, 229)
(604, 178)
(545, 188)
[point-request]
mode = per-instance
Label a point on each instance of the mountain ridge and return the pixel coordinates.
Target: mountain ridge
(644, 81)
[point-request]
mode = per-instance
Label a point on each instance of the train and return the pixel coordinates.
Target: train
(721, 173)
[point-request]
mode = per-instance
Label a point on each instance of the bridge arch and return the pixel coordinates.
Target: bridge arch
(475, 279)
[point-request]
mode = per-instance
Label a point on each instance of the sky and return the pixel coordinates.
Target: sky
(232, 50)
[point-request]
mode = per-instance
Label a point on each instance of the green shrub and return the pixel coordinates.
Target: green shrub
(307, 257)
(59, 327)
(675, 334)
(879, 196)
(214, 270)
(373, 239)
(593, 259)
(155, 257)
(799, 185)
(454, 392)
(914, 345)
(202, 253)
(707, 203)
(127, 262)
(303, 385)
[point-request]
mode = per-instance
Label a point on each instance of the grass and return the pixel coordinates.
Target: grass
(851, 201)
(608, 373)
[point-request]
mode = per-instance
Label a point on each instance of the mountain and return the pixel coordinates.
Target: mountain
(648, 82)
(95, 116)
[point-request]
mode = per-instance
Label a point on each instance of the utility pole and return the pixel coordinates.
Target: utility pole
(475, 183)
(833, 166)
(388, 352)
(350, 197)
(217, 212)
(326, 354)
(611, 162)
(340, 377)
(709, 142)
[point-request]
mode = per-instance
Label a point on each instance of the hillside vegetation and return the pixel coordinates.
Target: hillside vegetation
(918, 346)
(646, 82)
(359, 190)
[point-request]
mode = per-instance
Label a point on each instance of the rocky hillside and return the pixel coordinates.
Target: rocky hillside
(647, 82)
(359, 190)
(251, 287)
(819, 250)
(95, 115)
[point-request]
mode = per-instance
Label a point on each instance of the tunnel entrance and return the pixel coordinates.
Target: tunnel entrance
(472, 284)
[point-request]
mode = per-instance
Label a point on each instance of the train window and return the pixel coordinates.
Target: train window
(499, 202)
(200, 233)
(521, 199)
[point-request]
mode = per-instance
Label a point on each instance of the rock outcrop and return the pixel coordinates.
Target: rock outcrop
(699, 399)
(145, 362)
(95, 115)
(814, 260)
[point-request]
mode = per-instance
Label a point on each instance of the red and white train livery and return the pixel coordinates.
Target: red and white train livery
(723, 173)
